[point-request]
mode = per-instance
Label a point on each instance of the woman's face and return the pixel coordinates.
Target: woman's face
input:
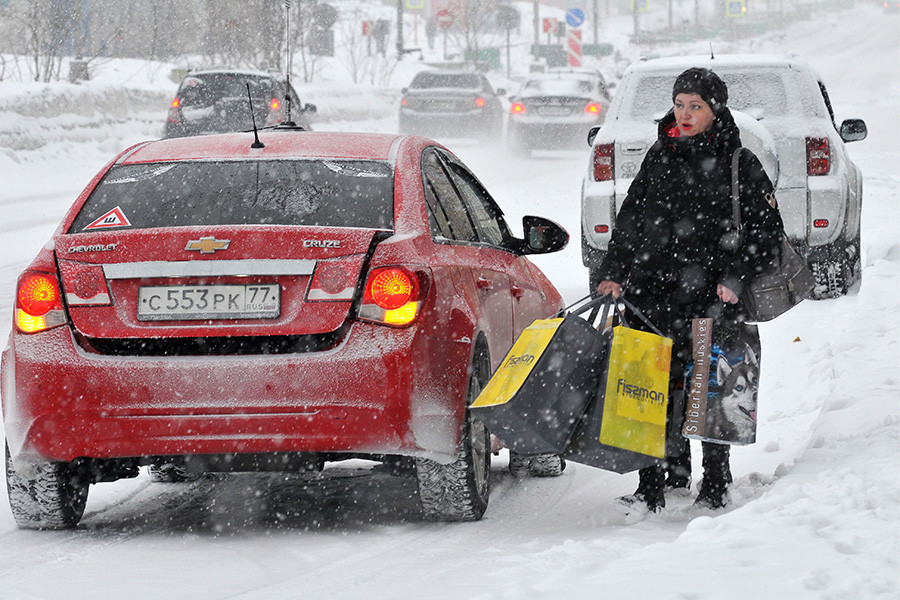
(692, 114)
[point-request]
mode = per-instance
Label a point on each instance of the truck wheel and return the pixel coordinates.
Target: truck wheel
(46, 495)
(836, 274)
(460, 491)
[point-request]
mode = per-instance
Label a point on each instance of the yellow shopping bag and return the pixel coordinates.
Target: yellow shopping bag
(637, 387)
(518, 364)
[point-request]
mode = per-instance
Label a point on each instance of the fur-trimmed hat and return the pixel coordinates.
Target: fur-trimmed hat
(705, 84)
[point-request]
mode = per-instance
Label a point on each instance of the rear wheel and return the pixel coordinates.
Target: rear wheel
(46, 495)
(837, 272)
(460, 491)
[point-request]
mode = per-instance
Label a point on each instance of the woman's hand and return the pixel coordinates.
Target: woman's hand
(609, 287)
(726, 295)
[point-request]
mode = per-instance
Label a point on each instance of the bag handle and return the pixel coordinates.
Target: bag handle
(606, 302)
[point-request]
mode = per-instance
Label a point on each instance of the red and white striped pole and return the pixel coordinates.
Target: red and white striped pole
(573, 46)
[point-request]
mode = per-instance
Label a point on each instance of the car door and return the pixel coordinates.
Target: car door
(478, 274)
(527, 299)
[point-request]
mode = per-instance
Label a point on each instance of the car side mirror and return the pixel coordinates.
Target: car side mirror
(592, 134)
(542, 236)
(853, 130)
(310, 108)
(501, 91)
(404, 90)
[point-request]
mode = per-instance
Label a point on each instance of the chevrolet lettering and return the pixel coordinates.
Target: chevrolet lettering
(93, 248)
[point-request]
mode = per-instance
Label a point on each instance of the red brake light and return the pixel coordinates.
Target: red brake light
(479, 102)
(820, 223)
(593, 108)
(818, 156)
(38, 293)
(176, 102)
(38, 303)
(601, 228)
(604, 162)
(274, 104)
(517, 108)
(390, 288)
(393, 296)
(403, 102)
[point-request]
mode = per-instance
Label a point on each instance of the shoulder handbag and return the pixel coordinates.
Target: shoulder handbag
(785, 283)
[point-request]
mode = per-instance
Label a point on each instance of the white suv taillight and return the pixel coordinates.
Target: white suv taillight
(818, 156)
(604, 162)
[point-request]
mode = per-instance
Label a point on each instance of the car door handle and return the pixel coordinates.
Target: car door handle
(517, 292)
(482, 283)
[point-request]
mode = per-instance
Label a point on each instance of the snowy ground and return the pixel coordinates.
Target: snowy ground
(816, 511)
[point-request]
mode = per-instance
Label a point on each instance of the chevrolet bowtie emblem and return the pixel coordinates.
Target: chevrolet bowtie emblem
(207, 245)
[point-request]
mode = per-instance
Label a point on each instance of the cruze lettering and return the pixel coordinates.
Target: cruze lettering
(321, 243)
(640, 393)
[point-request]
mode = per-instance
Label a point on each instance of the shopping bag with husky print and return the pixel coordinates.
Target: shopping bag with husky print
(722, 383)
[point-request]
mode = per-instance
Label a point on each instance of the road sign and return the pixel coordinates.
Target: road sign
(575, 17)
(735, 8)
(508, 18)
(550, 25)
(573, 47)
(415, 4)
(368, 28)
(444, 18)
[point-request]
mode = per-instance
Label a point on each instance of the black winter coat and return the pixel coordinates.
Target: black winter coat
(673, 237)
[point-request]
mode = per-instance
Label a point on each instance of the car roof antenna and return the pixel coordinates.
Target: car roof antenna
(256, 143)
(287, 77)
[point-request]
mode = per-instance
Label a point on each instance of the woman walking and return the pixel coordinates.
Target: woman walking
(676, 256)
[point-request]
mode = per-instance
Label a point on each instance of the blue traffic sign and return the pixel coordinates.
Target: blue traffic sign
(575, 17)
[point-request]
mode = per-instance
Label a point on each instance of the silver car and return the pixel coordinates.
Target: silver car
(785, 116)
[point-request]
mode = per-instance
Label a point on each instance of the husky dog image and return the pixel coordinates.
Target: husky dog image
(733, 416)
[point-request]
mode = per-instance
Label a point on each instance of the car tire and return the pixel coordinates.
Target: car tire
(460, 490)
(171, 473)
(837, 273)
(46, 495)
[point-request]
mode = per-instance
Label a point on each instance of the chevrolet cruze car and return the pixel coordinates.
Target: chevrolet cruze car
(218, 101)
(217, 304)
(785, 117)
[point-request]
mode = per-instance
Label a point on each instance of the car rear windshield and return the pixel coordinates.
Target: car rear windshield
(206, 89)
(338, 193)
(762, 90)
(446, 80)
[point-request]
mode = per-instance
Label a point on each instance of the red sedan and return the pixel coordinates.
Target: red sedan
(211, 305)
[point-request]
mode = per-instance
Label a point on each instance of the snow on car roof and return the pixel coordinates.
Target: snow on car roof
(278, 144)
(728, 61)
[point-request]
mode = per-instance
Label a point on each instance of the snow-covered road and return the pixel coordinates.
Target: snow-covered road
(816, 510)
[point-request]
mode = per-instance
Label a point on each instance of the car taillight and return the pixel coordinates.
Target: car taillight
(818, 156)
(84, 284)
(335, 280)
(517, 108)
(479, 102)
(393, 296)
(604, 162)
(175, 111)
(38, 303)
(593, 108)
(274, 104)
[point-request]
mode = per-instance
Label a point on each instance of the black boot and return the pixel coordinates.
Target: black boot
(716, 476)
(649, 493)
(678, 471)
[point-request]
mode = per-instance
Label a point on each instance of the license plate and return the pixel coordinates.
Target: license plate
(554, 111)
(193, 302)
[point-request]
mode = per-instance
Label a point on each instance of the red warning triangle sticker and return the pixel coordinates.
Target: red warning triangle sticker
(114, 218)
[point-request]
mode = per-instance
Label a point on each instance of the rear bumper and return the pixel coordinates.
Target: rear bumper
(562, 134)
(368, 395)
